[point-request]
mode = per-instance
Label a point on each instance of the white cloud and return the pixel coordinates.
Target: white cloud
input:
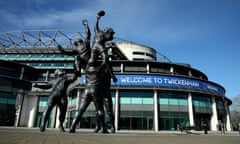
(131, 19)
(51, 18)
(47, 20)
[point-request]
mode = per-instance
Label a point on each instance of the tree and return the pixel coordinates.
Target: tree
(235, 111)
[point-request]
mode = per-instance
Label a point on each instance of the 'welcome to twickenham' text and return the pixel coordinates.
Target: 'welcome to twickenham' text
(157, 80)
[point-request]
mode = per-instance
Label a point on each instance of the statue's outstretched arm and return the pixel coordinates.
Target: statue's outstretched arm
(110, 71)
(87, 31)
(99, 15)
(76, 75)
(96, 28)
(70, 52)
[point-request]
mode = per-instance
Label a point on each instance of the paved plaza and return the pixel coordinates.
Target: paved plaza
(53, 136)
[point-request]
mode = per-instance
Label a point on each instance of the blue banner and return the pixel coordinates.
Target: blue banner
(165, 81)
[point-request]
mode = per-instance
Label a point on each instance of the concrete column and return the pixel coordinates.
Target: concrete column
(190, 109)
(155, 103)
(228, 120)
(67, 113)
(54, 117)
(78, 101)
(22, 73)
(18, 106)
(33, 111)
(190, 73)
(172, 70)
(57, 117)
(148, 68)
(78, 98)
(214, 119)
(122, 68)
(117, 100)
(47, 74)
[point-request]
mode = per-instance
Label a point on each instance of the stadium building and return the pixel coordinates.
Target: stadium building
(152, 93)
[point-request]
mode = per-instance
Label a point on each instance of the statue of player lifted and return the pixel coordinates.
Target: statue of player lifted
(96, 89)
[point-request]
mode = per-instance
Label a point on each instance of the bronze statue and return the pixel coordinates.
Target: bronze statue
(57, 97)
(94, 72)
(106, 92)
(81, 51)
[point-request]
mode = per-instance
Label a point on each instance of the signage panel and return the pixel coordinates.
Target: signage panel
(165, 81)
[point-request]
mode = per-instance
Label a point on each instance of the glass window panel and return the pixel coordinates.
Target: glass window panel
(73, 101)
(173, 101)
(202, 104)
(147, 100)
(203, 101)
(195, 103)
(3, 95)
(7, 98)
(136, 97)
(11, 101)
(113, 100)
(113, 96)
(136, 100)
(125, 100)
(163, 101)
(42, 103)
(183, 102)
(209, 105)
(3, 100)
(41, 78)
(219, 104)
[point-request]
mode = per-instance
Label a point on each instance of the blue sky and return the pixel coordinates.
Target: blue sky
(202, 33)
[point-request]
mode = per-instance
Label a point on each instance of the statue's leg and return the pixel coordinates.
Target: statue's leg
(83, 106)
(100, 117)
(109, 107)
(46, 115)
(63, 109)
(97, 128)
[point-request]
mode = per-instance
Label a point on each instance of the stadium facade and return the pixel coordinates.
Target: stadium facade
(152, 93)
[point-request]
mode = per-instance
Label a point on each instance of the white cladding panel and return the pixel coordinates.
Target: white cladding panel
(134, 51)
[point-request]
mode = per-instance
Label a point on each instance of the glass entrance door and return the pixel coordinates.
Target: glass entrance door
(136, 123)
(202, 119)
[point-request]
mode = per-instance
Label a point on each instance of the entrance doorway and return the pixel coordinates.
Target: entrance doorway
(136, 123)
(202, 119)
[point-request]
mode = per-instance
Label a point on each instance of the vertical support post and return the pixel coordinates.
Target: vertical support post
(228, 120)
(190, 109)
(117, 109)
(78, 99)
(214, 119)
(33, 112)
(54, 117)
(155, 101)
(57, 118)
(148, 68)
(18, 106)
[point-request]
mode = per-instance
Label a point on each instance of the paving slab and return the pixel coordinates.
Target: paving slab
(53, 136)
